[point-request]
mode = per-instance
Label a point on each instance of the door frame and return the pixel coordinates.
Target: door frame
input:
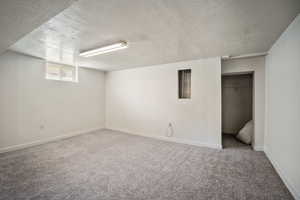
(252, 72)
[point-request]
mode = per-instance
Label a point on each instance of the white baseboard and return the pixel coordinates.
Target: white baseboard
(283, 175)
(39, 142)
(173, 139)
(258, 148)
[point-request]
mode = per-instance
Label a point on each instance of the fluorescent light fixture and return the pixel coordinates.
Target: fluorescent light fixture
(104, 49)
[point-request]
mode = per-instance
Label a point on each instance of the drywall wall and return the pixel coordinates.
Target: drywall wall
(34, 109)
(236, 102)
(145, 100)
(283, 106)
(257, 66)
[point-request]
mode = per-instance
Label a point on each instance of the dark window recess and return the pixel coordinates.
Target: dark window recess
(184, 83)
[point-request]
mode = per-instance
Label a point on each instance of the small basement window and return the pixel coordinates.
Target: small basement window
(61, 72)
(184, 83)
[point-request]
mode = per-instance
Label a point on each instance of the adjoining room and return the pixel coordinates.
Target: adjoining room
(152, 100)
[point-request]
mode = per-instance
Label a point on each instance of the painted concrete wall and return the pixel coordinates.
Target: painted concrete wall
(236, 102)
(145, 100)
(35, 109)
(283, 106)
(256, 65)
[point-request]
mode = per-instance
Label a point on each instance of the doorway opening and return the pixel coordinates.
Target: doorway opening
(237, 110)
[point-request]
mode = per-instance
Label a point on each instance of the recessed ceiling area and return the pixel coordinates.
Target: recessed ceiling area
(159, 31)
(18, 18)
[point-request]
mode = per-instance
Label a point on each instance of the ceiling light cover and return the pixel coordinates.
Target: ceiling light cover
(105, 49)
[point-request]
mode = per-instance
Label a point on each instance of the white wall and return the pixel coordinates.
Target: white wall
(237, 101)
(256, 65)
(34, 109)
(282, 141)
(144, 100)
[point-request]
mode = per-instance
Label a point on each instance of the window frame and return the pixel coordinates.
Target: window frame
(61, 67)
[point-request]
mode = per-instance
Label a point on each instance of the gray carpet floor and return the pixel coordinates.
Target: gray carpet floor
(113, 165)
(229, 141)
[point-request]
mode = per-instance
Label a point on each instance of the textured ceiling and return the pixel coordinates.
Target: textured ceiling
(20, 17)
(159, 31)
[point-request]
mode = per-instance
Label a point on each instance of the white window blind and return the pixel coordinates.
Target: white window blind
(61, 72)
